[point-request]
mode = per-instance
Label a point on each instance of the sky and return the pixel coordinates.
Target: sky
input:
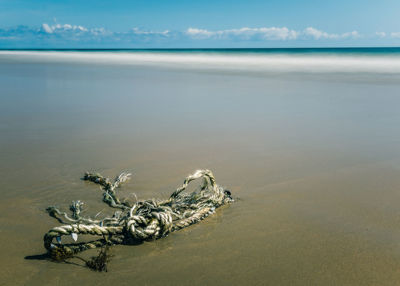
(198, 24)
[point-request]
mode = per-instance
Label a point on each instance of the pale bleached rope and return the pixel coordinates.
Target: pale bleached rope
(143, 220)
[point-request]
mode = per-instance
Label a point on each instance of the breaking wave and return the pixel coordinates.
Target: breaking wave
(303, 63)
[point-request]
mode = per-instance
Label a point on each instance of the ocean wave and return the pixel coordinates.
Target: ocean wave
(306, 63)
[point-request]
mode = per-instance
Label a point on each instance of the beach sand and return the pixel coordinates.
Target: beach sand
(314, 162)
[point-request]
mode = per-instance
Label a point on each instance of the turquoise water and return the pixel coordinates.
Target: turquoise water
(358, 50)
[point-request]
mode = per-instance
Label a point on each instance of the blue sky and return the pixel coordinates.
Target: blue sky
(217, 23)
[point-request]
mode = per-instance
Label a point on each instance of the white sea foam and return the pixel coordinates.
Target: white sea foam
(308, 63)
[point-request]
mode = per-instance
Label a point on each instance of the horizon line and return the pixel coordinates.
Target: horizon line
(209, 48)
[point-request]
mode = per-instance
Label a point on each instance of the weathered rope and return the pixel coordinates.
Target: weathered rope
(132, 223)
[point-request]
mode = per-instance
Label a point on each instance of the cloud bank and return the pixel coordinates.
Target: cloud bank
(318, 34)
(62, 28)
(68, 35)
(273, 33)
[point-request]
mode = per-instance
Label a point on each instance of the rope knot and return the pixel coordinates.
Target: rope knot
(144, 220)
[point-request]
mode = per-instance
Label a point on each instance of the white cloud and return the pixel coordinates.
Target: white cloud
(137, 31)
(83, 34)
(381, 34)
(47, 28)
(58, 28)
(271, 33)
(395, 35)
(267, 33)
(318, 34)
(199, 33)
(100, 32)
(353, 34)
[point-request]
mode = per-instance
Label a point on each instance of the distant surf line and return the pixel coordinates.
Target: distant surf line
(387, 63)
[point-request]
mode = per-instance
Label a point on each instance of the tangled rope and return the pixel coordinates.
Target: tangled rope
(133, 223)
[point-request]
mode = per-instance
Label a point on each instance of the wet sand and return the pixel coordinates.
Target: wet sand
(313, 160)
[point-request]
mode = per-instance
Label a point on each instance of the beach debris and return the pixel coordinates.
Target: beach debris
(99, 262)
(132, 223)
(74, 236)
